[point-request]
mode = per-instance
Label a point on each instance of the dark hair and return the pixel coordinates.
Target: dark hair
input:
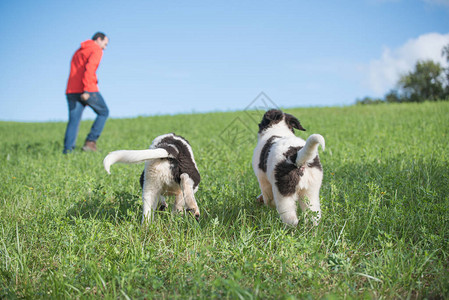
(100, 35)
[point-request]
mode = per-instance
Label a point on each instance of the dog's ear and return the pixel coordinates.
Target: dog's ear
(272, 116)
(293, 122)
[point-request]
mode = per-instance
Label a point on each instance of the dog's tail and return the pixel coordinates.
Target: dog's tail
(310, 149)
(132, 156)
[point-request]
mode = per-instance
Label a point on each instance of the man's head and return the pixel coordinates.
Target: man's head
(101, 39)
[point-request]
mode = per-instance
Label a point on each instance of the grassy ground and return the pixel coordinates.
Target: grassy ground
(67, 229)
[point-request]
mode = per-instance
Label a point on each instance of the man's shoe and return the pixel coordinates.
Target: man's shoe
(90, 146)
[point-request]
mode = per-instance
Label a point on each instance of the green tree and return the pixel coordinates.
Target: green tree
(445, 52)
(369, 100)
(429, 81)
(393, 96)
(425, 82)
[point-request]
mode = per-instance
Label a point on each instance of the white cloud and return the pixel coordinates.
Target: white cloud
(383, 73)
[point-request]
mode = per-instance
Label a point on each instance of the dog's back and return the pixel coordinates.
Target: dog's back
(287, 167)
(180, 157)
(170, 169)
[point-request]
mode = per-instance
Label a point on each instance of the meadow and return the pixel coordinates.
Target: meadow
(70, 230)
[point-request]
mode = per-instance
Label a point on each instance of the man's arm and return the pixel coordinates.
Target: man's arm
(89, 77)
(85, 96)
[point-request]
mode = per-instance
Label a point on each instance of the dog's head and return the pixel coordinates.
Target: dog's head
(275, 117)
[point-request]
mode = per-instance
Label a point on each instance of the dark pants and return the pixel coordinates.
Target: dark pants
(76, 108)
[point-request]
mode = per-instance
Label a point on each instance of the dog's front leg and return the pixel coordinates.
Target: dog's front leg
(267, 192)
(162, 204)
(189, 198)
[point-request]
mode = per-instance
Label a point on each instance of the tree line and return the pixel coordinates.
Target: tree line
(428, 81)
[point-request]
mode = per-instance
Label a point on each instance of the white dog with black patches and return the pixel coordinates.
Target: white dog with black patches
(287, 167)
(170, 170)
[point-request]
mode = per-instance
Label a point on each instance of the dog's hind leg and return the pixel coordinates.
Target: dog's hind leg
(189, 197)
(313, 196)
(286, 207)
(179, 202)
(150, 201)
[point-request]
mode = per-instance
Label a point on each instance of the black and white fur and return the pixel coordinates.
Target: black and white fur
(170, 170)
(287, 167)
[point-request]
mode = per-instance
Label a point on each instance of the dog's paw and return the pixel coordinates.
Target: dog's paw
(259, 199)
(290, 219)
(195, 214)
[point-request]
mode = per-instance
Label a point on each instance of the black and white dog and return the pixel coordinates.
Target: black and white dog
(170, 170)
(287, 167)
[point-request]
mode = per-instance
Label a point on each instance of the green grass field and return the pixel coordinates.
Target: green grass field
(70, 230)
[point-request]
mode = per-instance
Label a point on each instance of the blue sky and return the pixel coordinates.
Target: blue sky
(167, 57)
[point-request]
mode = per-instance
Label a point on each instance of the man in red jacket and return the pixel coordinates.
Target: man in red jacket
(82, 90)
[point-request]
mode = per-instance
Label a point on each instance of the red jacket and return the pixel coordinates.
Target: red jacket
(84, 64)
